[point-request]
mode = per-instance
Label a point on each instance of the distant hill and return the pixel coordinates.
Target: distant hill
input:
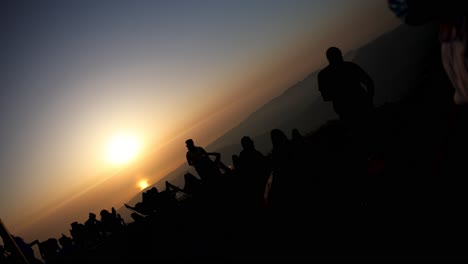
(395, 61)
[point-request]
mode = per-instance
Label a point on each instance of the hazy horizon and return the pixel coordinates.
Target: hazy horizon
(162, 71)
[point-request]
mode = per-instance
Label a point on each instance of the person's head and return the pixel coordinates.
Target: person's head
(278, 138)
(154, 190)
(104, 213)
(334, 55)
(92, 216)
(189, 144)
(65, 241)
(247, 143)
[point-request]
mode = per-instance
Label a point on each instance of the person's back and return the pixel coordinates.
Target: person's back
(93, 227)
(198, 158)
(254, 168)
(341, 82)
(107, 221)
(250, 159)
(282, 161)
(49, 249)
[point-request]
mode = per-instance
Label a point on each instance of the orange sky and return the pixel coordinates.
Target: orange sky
(164, 120)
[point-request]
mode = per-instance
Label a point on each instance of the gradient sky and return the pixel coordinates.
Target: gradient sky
(76, 73)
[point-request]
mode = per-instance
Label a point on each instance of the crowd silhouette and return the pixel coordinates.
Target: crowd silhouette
(346, 190)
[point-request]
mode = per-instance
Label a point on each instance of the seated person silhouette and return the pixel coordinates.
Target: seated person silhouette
(148, 204)
(172, 188)
(199, 158)
(49, 249)
(341, 82)
(93, 227)
(25, 248)
(67, 245)
(111, 222)
(192, 183)
(78, 233)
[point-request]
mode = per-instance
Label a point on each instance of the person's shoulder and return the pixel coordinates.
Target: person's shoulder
(351, 65)
(200, 149)
(257, 152)
(324, 73)
(324, 70)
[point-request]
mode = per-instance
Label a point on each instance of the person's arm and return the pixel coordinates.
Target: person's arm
(189, 160)
(129, 207)
(366, 80)
(35, 242)
(170, 186)
(134, 209)
(216, 154)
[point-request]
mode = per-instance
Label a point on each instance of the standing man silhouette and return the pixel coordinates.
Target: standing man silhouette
(341, 82)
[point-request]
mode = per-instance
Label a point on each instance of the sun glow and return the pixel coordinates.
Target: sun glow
(143, 184)
(122, 149)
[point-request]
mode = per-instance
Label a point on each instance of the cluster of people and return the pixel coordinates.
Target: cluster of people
(156, 202)
(51, 250)
(93, 230)
(83, 237)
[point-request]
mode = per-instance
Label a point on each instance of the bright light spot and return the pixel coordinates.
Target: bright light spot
(122, 149)
(143, 184)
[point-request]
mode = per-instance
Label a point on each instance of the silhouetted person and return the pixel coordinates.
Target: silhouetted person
(235, 162)
(171, 188)
(167, 201)
(199, 158)
(192, 184)
(67, 245)
(111, 222)
(26, 248)
(305, 159)
(78, 233)
(296, 136)
(282, 159)
(254, 170)
(151, 199)
(341, 82)
(451, 16)
(49, 249)
(148, 204)
(119, 218)
(93, 227)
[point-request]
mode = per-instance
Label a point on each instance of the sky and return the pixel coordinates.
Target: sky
(75, 74)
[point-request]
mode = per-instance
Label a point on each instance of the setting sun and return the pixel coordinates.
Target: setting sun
(143, 184)
(122, 149)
